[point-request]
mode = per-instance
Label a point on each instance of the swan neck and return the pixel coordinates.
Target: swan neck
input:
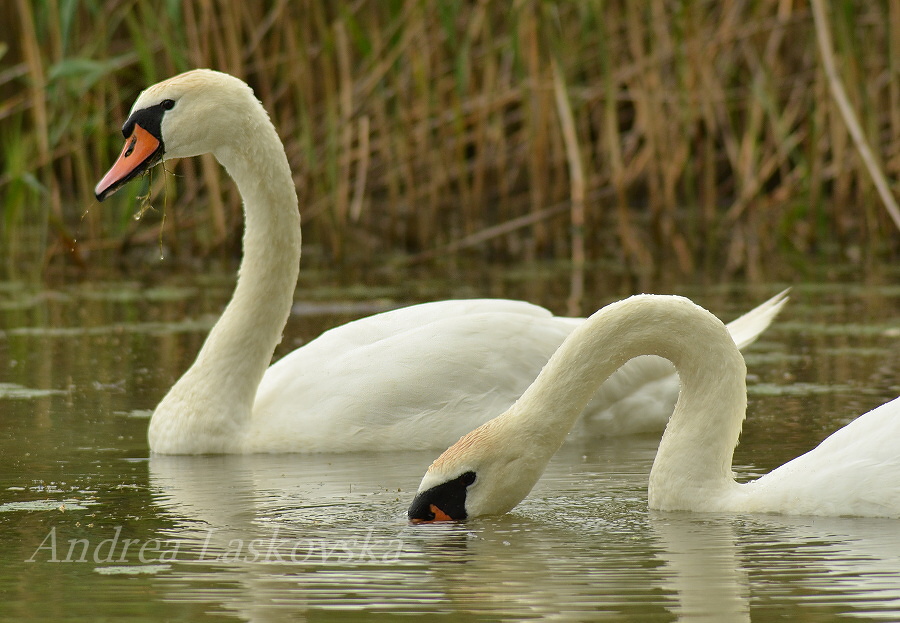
(711, 403)
(213, 400)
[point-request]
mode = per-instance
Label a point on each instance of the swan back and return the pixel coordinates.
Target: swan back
(854, 471)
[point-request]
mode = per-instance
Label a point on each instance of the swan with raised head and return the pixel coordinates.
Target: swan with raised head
(412, 378)
(855, 471)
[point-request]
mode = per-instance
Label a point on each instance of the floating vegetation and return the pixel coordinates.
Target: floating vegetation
(120, 293)
(310, 308)
(797, 389)
(44, 505)
(845, 329)
(169, 293)
(20, 392)
(29, 299)
(190, 325)
(127, 292)
(132, 569)
(759, 359)
(857, 351)
(143, 414)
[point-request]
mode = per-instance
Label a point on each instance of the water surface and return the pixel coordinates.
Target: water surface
(93, 528)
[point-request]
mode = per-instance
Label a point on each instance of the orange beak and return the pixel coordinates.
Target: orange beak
(142, 150)
(439, 515)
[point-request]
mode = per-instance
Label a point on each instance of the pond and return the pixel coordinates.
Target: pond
(93, 528)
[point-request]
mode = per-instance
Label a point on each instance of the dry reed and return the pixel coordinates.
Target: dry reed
(681, 135)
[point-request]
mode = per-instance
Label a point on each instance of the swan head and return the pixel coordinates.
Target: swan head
(487, 472)
(197, 112)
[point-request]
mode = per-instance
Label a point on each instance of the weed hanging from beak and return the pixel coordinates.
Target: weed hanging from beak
(146, 204)
(145, 200)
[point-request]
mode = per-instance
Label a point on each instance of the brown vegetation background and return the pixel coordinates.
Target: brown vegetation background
(686, 135)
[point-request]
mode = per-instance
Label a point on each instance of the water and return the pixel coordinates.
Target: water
(93, 529)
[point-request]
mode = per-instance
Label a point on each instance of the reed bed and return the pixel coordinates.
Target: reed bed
(658, 134)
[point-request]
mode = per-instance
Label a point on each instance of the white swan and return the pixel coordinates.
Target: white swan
(855, 471)
(412, 378)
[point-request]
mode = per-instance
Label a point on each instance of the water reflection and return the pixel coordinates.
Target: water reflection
(329, 531)
(285, 532)
(335, 532)
(702, 569)
(720, 566)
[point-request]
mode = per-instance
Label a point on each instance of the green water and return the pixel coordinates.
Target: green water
(94, 529)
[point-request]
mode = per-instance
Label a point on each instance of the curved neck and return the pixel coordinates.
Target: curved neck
(213, 400)
(711, 404)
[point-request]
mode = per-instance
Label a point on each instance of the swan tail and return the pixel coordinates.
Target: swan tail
(746, 329)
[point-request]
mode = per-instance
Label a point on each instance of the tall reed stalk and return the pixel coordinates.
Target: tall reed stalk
(654, 134)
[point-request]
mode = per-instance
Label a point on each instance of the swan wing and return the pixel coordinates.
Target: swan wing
(420, 387)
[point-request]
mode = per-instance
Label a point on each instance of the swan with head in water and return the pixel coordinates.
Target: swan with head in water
(412, 378)
(855, 471)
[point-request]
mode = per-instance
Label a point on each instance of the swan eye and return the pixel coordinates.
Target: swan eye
(168, 104)
(467, 478)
